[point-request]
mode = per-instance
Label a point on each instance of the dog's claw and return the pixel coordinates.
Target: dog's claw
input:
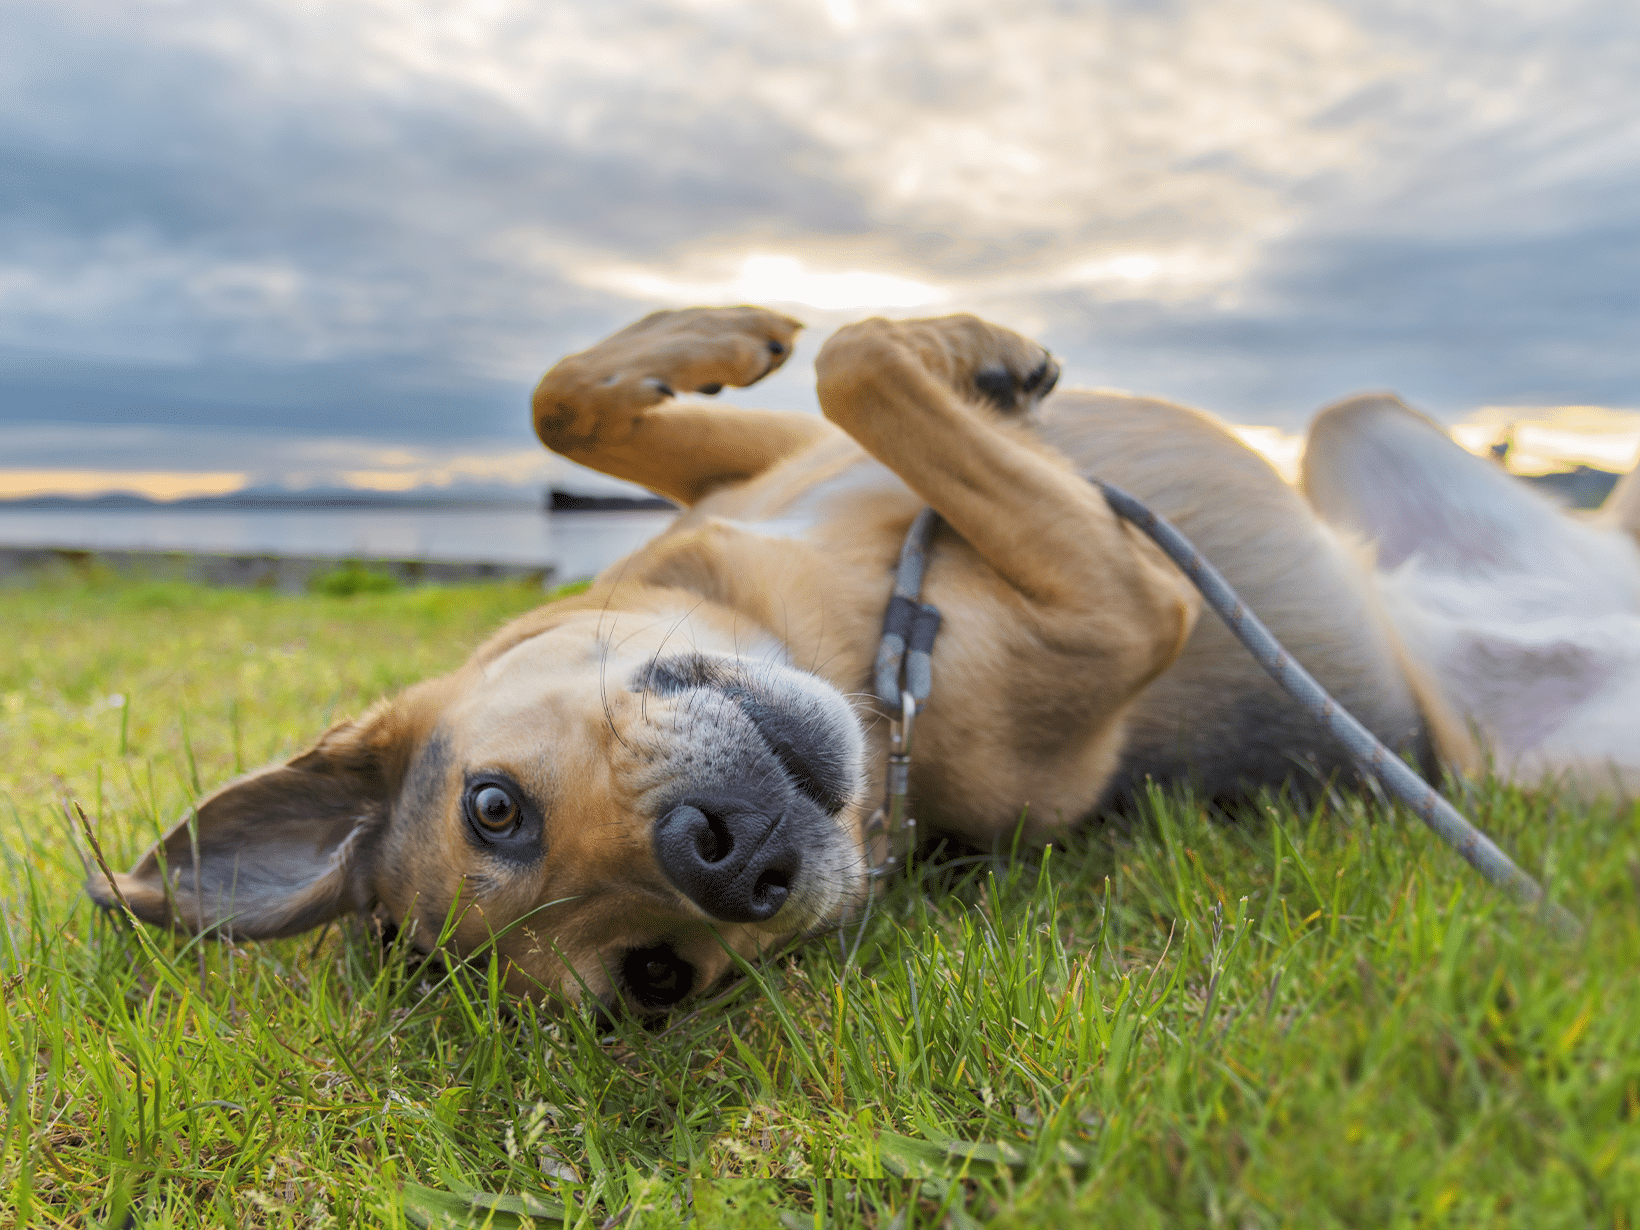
(1044, 377)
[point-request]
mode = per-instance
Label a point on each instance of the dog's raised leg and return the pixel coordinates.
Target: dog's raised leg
(611, 407)
(1525, 620)
(1097, 611)
(923, 397)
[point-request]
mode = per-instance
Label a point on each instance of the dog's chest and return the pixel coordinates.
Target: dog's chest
(809, 499)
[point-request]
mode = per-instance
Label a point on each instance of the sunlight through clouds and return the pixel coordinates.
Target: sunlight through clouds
(782, 279)
(157, 485)
(776, 280)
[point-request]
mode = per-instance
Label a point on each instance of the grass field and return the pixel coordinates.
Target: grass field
(1295, 1019)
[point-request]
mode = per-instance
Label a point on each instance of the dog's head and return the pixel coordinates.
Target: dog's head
(604, 800)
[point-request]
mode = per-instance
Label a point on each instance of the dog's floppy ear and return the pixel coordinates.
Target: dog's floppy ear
(280, 850)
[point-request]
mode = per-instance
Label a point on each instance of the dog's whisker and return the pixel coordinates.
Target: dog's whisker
(603, 695)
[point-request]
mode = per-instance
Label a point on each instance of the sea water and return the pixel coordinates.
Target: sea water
(574, 544)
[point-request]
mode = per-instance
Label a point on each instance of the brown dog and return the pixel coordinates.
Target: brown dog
(620, 783)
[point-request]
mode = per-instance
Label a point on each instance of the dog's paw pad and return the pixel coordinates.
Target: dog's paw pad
(1013, 394)
(997, 385)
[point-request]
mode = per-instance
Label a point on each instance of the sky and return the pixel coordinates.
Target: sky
(250, 242)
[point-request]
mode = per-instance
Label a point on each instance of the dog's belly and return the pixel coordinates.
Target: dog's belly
(1215, 717)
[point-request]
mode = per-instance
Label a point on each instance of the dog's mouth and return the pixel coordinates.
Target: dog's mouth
(657, 977)
(752, 829)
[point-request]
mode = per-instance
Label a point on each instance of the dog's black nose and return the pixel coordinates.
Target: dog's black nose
(730, 857)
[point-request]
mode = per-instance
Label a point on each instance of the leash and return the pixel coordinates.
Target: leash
(904, 675)
(904, 680)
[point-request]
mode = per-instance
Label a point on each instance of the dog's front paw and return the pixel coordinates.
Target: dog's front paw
(694, 350)
(980, 361)
(591, 400)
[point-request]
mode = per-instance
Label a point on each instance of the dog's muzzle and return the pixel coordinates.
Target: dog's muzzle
(757, 824)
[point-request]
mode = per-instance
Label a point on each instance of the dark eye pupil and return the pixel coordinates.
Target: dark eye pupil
(663, 975)
(494, 806)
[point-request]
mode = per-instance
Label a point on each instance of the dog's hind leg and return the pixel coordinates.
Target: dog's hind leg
(1527, 620)
(611, 407)
(1375, 467)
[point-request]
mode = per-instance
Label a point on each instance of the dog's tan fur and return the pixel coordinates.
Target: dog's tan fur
(1071, 665)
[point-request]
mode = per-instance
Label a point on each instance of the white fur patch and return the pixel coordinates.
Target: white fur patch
(1527, 620)
(816, 505)
(1541, 653)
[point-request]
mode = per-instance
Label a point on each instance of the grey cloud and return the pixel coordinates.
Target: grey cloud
(315, 250)
(1529, 322)
(335, 221)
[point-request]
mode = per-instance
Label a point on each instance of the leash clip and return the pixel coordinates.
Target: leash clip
(903, 675)
(894, 817)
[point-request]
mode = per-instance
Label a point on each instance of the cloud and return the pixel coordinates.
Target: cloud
(778, 281)
(367, 221)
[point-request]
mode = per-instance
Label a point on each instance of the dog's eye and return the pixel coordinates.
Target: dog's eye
(493, 807)
(502, 820)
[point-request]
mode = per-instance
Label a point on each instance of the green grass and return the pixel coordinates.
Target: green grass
(351, 577)
(1295, 1019)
